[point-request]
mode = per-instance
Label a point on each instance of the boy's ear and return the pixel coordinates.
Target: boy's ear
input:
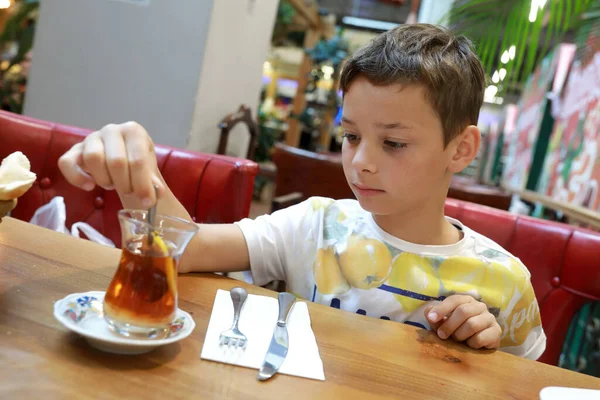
(464, 148)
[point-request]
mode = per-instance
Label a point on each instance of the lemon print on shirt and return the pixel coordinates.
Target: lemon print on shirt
(501, 282)
(328, 277)
(524, 317)
(518, 274)
(494, 282)
(416, 274)
(318, 203)
(365, 262)
(462, 274)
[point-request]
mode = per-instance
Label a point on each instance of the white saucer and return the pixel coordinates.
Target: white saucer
(82, 313)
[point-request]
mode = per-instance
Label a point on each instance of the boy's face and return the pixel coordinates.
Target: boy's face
(393, 151)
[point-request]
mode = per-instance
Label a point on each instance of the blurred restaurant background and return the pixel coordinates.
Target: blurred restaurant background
(258, 79)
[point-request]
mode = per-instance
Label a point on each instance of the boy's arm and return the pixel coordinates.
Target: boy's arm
(122, 157)
(215, 248)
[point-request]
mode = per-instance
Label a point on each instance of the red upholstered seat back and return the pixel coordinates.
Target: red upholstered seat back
(564, 262)
(213, 188)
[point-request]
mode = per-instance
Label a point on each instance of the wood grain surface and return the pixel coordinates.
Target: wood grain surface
(363, 357)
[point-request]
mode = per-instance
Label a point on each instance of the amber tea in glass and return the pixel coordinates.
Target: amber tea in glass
(141, 299)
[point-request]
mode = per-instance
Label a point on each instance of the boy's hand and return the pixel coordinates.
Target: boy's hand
(122, 157)
(465, 319)
(117, 157)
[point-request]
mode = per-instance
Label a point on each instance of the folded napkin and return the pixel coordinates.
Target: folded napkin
(257, 321)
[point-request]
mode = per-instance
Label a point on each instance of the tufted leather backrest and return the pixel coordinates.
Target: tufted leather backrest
(297, 170)
(213, 188)
(310, 173)
(564, 262)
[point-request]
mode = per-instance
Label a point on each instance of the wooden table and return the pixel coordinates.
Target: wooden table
(363, 357)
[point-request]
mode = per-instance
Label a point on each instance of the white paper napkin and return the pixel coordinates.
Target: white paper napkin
(561, 393)
(257, 321)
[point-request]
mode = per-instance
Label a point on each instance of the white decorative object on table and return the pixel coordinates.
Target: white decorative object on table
(566, 393)
(82, 313)
(16, 177)
(257, 321)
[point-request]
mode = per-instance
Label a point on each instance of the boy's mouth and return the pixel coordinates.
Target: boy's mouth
(364, 190)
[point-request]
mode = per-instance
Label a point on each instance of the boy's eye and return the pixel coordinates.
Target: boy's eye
(350, 137)
(395, 145)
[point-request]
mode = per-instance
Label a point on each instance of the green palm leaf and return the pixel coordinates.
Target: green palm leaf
(495, 26)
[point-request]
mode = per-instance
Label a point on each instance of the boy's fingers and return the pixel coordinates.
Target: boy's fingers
(473, 326)
(439, 311)
(70, 165)
(94, 160)
(116, 159)
(434, 325)
(459, 316)
(488, 338)
(139, 154)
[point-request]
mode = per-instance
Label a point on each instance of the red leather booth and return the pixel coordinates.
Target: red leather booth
(213, 188)
(564, 260)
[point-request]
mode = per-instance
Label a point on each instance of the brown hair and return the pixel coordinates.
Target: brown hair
(429, 55)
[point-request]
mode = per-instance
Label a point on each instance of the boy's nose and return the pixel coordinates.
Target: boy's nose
(364, 160)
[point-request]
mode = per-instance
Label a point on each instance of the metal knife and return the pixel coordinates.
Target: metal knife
(279, 342)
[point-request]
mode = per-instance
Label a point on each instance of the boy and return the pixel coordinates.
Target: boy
(411, 103)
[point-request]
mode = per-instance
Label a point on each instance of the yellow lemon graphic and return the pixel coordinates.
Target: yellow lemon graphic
(519, 275)
(416, 274)
(494, 282)
(524, 317)
(318, 203)
(461, 274)
(328, 277)
(365, 262)
(499, 283)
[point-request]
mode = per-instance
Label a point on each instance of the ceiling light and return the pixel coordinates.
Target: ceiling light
(327, 70)
(536, 5)
(502, 73)
(496, 77)
(267, 67)
(491, 90)
(490, 94)
(532, 15)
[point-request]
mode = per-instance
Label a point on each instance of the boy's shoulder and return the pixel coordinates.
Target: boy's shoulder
(326, 203)
(324, 207)
(486, 248)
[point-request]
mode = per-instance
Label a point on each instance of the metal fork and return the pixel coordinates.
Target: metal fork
(232, 337)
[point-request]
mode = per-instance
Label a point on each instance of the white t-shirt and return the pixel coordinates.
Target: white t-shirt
(332, 252)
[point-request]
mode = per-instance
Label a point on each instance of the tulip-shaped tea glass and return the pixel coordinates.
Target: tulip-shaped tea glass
(141, 300)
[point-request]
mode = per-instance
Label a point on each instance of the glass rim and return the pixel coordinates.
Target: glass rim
(190, 226)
